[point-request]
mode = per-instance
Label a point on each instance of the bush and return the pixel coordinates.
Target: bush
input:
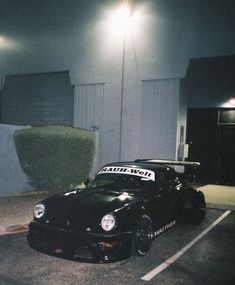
(55, 157)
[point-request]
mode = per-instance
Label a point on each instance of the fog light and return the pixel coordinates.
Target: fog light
(110, 245)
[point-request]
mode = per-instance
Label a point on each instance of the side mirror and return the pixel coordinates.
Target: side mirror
(87, 181)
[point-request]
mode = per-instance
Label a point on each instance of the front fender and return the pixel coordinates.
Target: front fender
(128, 216)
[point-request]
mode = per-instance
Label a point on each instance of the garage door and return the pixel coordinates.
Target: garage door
(38, 99)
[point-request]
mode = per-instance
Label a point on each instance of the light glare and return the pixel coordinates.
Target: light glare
(123, 12)
(6, 43)
(232, 101)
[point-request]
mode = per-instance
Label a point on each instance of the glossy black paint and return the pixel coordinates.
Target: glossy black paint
(71, 227)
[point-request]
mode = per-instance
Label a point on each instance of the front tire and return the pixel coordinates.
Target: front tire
(143, 236)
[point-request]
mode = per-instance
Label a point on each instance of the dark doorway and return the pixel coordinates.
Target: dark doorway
(201, 137)
(226, 147)
(211, 139)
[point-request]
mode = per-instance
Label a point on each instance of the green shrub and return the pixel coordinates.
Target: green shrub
(55, 157)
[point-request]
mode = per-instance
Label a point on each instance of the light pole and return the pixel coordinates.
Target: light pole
(124, 13)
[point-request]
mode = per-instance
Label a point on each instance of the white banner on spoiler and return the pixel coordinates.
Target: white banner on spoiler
(149, 174)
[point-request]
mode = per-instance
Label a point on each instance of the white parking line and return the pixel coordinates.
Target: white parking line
(172, 259)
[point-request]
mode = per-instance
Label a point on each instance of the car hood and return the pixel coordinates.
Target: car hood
(81, 210)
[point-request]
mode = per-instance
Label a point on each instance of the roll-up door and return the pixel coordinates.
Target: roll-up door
(38, 99)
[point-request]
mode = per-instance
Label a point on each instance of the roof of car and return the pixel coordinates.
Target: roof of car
(146, 165)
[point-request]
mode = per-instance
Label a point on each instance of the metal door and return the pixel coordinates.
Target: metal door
(226, 155)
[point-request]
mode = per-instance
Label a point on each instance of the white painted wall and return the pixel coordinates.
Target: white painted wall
(12, 178)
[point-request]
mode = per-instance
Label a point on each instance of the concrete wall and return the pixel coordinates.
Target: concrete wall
(12, 178)
(45, 36)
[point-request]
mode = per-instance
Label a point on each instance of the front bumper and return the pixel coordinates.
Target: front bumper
(80, 246)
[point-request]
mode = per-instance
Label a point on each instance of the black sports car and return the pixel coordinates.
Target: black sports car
(118, 213)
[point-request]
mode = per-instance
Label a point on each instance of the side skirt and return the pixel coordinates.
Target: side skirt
(164, 228)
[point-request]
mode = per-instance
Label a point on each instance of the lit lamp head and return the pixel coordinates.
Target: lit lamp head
(120, 19)
(232, 101)
(123, 12)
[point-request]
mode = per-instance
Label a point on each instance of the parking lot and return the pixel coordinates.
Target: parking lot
(210, 260)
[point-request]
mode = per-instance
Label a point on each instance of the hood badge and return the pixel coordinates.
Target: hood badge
(68, 223)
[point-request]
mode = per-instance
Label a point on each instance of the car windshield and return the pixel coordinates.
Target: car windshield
(120, 182)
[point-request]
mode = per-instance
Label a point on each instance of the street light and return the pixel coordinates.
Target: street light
(123, 12)
(232, 101)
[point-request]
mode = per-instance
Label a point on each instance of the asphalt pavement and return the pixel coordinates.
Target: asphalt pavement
(17, 211)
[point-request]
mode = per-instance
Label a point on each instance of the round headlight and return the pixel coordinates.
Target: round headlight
(108, 222)
(39, 211)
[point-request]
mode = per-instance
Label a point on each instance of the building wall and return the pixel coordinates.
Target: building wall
(0, 106)
(82, 37)
(12, 178)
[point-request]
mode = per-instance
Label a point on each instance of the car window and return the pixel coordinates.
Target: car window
(165, 184)
(121, 182)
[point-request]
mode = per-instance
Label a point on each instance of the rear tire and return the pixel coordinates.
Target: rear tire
(193, 208)
(143, 236)
(199, 211)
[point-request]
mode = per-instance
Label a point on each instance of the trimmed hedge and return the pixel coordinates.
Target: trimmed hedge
(55, 157)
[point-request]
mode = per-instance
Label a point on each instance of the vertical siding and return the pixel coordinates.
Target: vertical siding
(88, 106)
(159, 118)
(89, 110)
(38, 99)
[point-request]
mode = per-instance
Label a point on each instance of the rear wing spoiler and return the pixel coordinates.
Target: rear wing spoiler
(170, 162)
